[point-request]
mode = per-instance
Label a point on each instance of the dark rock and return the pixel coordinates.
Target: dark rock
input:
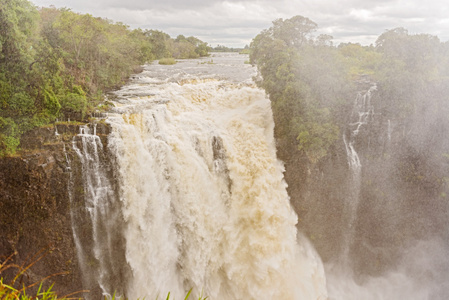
(35, 212)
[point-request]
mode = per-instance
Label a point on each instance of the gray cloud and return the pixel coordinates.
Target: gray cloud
(235, 22)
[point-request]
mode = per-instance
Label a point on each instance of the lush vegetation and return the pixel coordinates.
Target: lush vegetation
(167, 61)
(15, 288)
(54, 62)
(312, 83)
(306, 80)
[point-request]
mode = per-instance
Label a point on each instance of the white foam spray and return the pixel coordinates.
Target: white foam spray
(203, 195)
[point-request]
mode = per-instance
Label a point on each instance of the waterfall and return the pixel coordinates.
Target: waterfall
(362, 114)
(203, 203)
(97, 221)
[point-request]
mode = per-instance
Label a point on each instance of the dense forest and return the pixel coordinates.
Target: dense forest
(55, 62)
(310, 81)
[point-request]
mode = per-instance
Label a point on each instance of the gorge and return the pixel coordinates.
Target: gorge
(179, 187)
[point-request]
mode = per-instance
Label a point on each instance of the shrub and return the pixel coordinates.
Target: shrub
(167, 61)
(74, 101)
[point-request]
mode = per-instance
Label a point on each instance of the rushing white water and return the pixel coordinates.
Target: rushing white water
(362, 113)
(201, 191)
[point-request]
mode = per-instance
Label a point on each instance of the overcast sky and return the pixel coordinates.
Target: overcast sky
(235, 22)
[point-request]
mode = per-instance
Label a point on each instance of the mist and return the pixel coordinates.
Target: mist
(363, 132)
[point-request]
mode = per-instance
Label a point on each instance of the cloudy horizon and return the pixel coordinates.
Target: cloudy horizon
(234, 23)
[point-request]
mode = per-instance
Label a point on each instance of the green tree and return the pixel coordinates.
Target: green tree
(55, 61)
(295, 31)
(190, 47)
(159, 41)
(360, 60)
(305, 80)
(74, 101)
(409, 69)
(182, 48)
(18, 19)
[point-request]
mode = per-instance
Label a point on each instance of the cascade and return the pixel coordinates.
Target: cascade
(362, 114)
(96, 222)
(200, 198)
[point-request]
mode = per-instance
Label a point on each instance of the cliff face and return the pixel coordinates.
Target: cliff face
(399, 197)
(317, 193)
(35, 209)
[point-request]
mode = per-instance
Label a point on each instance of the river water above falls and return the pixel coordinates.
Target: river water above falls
(198, 191)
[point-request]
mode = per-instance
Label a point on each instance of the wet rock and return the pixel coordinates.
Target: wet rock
(35, 211)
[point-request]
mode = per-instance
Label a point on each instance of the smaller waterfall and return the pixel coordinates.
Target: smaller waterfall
(97, 229)
(362, 114)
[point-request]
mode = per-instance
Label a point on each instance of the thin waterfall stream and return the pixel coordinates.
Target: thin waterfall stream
(96, 221)
(362, 114)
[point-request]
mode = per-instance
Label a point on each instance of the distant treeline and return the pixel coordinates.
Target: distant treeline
(221, 48)
(55, 62)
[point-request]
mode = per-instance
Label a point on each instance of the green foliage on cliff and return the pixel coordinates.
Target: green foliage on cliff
(305, 79)
(412, 73)
(311, 83)
(74, 100)
(54, 62)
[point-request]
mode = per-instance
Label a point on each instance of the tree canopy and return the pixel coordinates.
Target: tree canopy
(305, 80)
(55, 62)
(312, 83)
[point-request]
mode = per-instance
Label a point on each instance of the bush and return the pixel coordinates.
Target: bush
(9, 136)
(74, 101)
(167, 61)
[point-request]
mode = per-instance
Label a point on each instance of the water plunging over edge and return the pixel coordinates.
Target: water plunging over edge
(201, 194)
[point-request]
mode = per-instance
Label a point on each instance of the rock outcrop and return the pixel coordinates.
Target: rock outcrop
(35, 209)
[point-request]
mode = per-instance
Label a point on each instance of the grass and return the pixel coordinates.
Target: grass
(14, 289)
(187, 296)
(73, 122)
(200, 297)
(167, 61)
